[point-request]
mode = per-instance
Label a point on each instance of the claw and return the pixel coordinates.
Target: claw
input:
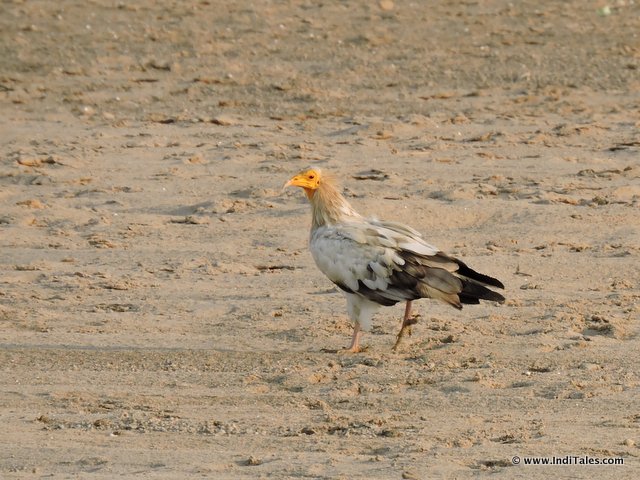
(407, 321)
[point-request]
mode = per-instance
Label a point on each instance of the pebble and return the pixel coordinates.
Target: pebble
(223, 120)
(33, 203)
(197, 158)
(590, 366)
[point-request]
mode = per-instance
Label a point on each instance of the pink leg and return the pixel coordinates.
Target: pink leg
(355, 342)
(355, 339)
(407, 321)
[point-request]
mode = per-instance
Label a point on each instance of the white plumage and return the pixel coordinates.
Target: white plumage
(381, 263)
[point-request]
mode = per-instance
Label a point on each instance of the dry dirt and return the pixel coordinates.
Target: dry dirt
(160, 316)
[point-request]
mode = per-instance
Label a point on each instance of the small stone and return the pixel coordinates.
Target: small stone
(410, 475)
(192, 220)
(44, 419)
(383, 135)
(604, 11)
(29, 162)
(590, 366)
(223, 120)
(197, 159)
(33, 203)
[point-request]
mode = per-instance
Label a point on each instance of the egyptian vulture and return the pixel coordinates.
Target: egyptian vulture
(376, 263)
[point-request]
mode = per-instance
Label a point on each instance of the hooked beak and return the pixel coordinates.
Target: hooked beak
(286, 185)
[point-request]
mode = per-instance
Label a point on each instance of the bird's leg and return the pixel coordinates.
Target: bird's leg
(355, 339)
(407, 321)
(355, 342)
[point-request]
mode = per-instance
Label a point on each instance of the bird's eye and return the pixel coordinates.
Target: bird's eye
(311, 177)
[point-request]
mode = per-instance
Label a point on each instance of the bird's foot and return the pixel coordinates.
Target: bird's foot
(354, 349)
(399, 337)
(406, 328)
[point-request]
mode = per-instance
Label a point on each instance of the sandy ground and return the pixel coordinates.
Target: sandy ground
(160, 315)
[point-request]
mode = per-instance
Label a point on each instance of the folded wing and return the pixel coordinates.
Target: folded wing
(388, 262)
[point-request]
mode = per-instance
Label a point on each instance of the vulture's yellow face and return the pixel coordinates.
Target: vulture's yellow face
(309, 180)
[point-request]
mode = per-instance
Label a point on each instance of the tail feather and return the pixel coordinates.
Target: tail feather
(467, 272)
(473, 292)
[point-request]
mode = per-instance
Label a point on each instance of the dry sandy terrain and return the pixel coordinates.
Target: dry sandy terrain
(160, 315)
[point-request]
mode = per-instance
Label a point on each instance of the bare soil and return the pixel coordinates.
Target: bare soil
(160, 315)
